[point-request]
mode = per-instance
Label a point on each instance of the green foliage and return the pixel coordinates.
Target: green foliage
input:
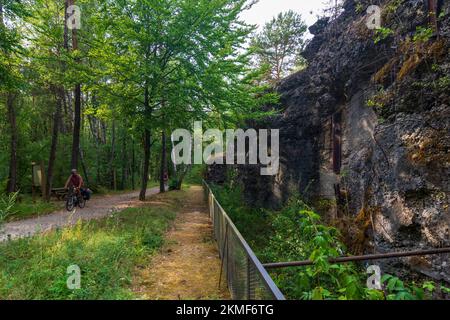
(382, 33)
(445, 290)
(279, 45)
(299, 235)
(296, 233)
(423, 34)
(254, 224)
(292, 234)
(144, 65)
(371, 103)
(393, 6)
(10, 45)
(7, 206)
(444, 82)
(106, 251)
(195, 175)
(26, 207)
(359, 7)
(397, 290)
(173, 183)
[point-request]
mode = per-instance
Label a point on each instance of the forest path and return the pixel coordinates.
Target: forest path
(96, 208)
(188, 266)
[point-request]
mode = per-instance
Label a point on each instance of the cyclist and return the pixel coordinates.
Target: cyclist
(75, 181)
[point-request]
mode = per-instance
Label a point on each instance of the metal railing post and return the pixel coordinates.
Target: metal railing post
(223, 260)
(249, 283)
(230, 285)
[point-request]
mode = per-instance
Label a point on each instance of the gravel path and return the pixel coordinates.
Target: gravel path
(97, 208)
(188, 266)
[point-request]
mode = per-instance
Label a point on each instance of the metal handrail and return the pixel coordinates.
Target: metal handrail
(369, 257)
(266, 279)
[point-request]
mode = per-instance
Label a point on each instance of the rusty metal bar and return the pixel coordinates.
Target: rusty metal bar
(379, 256)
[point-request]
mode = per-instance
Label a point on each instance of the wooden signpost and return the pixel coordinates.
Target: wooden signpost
(37, 178)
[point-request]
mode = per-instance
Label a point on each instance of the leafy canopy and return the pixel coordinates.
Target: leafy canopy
(279, 45)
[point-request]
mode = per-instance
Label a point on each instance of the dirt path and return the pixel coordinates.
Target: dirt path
(97, 208)
(188, 267)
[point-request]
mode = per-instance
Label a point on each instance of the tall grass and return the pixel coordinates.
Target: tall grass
(107, 251)
(6, 207)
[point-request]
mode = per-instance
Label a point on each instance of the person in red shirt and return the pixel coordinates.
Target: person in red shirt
(75, 180)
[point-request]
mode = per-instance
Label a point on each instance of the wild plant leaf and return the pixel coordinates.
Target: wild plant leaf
(445, 289)
(429, 286)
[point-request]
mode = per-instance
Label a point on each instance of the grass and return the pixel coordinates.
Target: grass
(26, 208)
(107, 252)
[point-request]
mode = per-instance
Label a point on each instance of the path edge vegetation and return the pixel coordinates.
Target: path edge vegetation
(107, 250)
(296, 232)
(104, 98)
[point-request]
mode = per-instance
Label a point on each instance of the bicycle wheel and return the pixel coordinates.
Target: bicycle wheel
(70, 203)
(81, 202)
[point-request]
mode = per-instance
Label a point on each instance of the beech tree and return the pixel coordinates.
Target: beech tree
(182, 63)
(147, 67)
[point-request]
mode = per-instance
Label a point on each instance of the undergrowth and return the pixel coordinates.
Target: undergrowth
(7, 204)
(107, 251)
(297, 233)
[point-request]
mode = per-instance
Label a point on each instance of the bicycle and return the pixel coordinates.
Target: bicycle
(75, 198)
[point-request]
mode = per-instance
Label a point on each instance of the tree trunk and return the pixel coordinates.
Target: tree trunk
(62, 125)
(12, 178)
(123, 182)
(10, 99)
(76, 128)
(103, 131)
(52, 157)
(77, 109)
(172, 154)
(163, 172)
(147, 138)
(147, 146)
(133, 166)
(113, 155)
(83, 166)
(66, 28)
(61, 101)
